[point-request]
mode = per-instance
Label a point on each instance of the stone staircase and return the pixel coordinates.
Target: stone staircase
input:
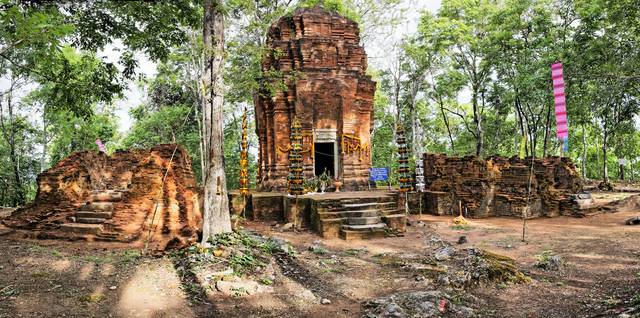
(91, 218)
(359, 218)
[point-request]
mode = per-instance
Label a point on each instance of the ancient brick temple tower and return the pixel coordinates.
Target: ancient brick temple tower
(315, 71)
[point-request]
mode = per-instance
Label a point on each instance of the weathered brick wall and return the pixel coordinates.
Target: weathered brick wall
(317, 56)
(66, 187)
(498, 186)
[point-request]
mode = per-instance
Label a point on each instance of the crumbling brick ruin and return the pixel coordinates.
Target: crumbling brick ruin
(498, 186)
(316, 54)
(94, 196)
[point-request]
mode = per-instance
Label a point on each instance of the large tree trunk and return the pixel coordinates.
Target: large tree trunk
(605, 170)
(477, 119)
(216, 203)
(446, 123)
(416, 140)
(521, 120)
(584, 152)
(545, 147)
(43, 156)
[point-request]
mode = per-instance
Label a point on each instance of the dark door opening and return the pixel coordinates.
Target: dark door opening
(324, 158)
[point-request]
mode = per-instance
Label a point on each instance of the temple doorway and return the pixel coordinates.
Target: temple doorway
(324, 158)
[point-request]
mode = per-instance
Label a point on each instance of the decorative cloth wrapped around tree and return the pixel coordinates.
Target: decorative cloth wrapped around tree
(296, 177)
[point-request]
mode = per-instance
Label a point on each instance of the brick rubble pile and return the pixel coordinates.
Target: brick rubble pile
(498, 186)
(137, 174)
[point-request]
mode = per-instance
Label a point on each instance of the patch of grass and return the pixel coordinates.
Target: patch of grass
(39, 274)
(318, 250)
(192, 288)
(544, 256)
(129, 256)
(234, 239)
(243, 262)
(611, 302)
(239, 292)
(502, 268)
(37, 249)
(8, 291)
(332, 270)
(355, 251)
(120, 257)
(330, 266)
(501, 286)
(328, 262)
(460, 227)
(270, 247)
(266, 281)
(244, 253)
(547, 260)
(93, 298)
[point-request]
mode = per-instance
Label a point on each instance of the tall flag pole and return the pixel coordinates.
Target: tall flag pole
(562, 130)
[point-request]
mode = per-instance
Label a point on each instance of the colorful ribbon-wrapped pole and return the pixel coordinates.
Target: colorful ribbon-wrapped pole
(244, 158)
(562, 129)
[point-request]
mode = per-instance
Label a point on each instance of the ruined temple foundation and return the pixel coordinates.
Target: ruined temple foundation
(93, 196)
(499, 186)
(316, 55)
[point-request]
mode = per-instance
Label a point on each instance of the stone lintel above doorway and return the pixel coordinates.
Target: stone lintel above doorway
(325, 135)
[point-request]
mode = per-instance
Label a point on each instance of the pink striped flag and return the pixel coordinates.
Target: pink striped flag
(562, 130)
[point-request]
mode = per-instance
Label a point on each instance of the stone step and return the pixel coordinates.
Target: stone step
(359, 213)
(330, 228)
(108, 237)
(81, 228)
(94, 214)
(362, 235)
(99, 206)
(360, 206)
(396, 221)
(364, 220)
(90, 220)
(106, 196)
(380, 199)
(364, 227)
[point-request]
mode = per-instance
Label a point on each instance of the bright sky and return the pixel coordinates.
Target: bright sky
(135, 95)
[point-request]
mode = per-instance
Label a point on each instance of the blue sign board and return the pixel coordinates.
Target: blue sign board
(378, 174)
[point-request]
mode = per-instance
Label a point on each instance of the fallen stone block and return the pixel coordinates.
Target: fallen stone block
(633, 221)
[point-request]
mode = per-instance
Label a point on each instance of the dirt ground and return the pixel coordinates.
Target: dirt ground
(599, 276)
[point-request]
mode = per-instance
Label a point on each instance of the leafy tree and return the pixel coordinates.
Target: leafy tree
(465, 26)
